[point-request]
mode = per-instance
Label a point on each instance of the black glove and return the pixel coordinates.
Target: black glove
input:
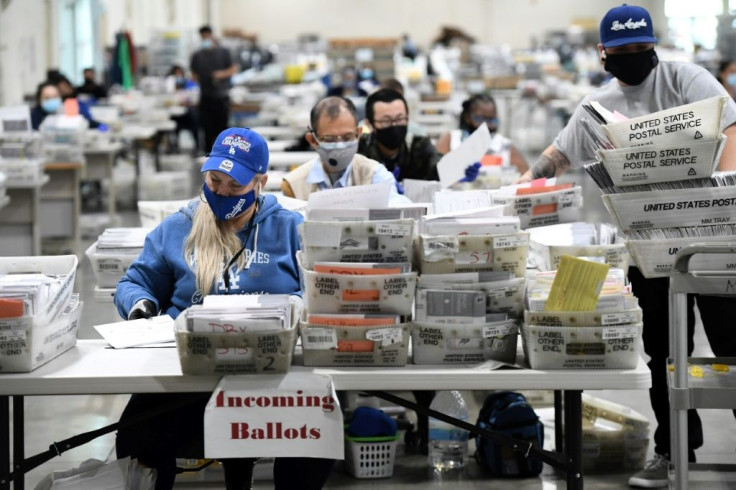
(142, 309)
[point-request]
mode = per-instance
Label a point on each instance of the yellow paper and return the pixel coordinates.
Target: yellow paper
(577, 284)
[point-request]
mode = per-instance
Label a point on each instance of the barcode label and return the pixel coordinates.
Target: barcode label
(610, 333)
(511, 241)
(618, 318)
(108, 266)
(498, 330)
(320, 338)
(393, 229)
(386, 336)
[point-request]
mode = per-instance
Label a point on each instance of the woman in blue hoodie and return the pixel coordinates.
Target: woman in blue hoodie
(235, 242)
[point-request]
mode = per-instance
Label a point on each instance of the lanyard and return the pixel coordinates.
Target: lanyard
(226, 273)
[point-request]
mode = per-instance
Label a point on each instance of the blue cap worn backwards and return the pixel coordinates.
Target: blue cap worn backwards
(627, 24)
(239, 153)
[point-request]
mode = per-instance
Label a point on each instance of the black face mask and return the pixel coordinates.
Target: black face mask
(631, 68)
(391, 137)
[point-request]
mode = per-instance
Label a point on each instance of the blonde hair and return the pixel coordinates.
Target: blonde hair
(210, 246)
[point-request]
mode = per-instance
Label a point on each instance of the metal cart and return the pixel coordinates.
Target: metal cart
(714, 389)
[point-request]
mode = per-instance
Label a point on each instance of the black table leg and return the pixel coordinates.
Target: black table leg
(559, 432)
(19, 449)
(4, 442)
(574, 439)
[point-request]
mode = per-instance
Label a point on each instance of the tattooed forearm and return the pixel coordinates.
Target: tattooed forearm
(551, 163)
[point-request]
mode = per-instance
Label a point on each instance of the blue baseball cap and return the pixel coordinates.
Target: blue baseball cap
(627, 24)
(239, 153)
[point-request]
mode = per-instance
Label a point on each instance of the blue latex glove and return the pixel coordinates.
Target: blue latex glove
(397, 173)
(471, 173)
(103, 128)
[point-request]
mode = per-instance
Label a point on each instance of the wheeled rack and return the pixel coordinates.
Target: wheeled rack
(716, 388)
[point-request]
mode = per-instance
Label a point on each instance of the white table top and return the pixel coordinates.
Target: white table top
(92, 368)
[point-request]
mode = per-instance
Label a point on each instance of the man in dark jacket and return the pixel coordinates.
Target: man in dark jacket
(406, 155)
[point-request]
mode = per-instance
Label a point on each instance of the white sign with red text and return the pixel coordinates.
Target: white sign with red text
(290, 415)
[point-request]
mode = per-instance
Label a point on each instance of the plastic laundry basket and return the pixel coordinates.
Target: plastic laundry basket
(370, 457)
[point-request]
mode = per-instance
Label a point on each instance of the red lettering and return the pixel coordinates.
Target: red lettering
(219, 399)
(259, 434)
(314, 433)
(238, 430)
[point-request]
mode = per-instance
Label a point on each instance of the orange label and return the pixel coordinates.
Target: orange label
(351, 322)
(355, 346)
(361, 295)
(491, 160)
(544, 209)
(71, 107)
(11, 308)
(354, 271)
(525, 191)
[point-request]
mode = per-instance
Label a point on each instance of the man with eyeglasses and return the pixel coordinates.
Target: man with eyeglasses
(334, 134)
(405, 155)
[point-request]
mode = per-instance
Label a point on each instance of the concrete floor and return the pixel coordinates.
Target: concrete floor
(52, 419)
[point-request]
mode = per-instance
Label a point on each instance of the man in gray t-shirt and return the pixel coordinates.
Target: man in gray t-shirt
(212, 66)
(643, 85)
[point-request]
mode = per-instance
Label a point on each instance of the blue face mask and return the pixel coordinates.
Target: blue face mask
(207, 43)
(731, 80)
(366, 73)
(51, 105)
(228, 207)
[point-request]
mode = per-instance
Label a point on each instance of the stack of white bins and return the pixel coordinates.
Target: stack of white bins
(471, 288)
(40, 314)
(358, 291)
(111, 255)
(660, 184)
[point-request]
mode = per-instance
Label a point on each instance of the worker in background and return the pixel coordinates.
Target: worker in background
(68, 95)
(211, 67)
(643, 85)
(48, 101)
(405, 155)
(188, 120)
(90, 88)
(334, 134)
(233, 240)
(727, 76)
(477, 110)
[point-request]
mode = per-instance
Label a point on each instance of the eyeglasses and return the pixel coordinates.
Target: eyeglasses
(399, 121)
(490, 121)
(329, 138)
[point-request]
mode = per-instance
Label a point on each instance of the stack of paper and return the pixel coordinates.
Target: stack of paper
(228, 314)
(122, 240)
(581, 286)
(63, 137)
(676, 150)
(597, 242)
(114, 251)
(26, 294)
(481, 221)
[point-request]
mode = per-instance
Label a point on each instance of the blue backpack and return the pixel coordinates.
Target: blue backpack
(508, 413)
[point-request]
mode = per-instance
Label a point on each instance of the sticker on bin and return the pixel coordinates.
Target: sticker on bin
(619, 333)
(319, 338)
(689, 122)
(338, 293)
(450, 306)
(357, 241)
(662, 163)
(436, 248)
(386, 336)
(502, 329)
(552, 218)
(667, 209)
(547, 257)
(621, 317)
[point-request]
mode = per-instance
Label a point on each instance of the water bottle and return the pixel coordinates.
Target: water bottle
(448, 445)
